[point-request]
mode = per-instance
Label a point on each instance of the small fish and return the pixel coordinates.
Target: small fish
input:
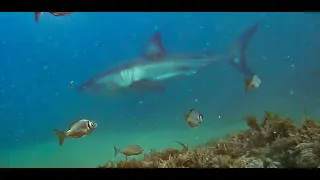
(60, 13)
(130, 150)
(38, 14)
(78, 129)
(252, 83)
(193, 118)
(71, 84)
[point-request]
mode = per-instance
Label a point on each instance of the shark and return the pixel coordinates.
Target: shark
(155, 66)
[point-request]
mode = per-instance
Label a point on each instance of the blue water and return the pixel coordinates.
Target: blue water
(39, 60)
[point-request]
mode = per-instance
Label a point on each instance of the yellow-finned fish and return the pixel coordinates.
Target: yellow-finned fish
(252, 83)
(78, 129)
(193, 118)
(130, 150)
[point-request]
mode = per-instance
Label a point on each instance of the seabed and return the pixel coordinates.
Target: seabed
(276, 142)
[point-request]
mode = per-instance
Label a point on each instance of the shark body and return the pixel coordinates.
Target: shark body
(155, 66)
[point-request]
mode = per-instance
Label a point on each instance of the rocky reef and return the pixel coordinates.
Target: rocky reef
(275, 142)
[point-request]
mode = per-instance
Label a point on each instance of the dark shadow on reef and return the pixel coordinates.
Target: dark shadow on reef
(276, 142)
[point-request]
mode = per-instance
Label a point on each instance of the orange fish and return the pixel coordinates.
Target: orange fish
(38, 14)
(193, 118)
(252, 83)
(77, 129)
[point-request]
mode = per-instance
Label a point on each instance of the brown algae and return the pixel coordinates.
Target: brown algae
(276, 142)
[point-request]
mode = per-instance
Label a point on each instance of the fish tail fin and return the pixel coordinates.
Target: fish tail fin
(186, 117)
(184, 147)
(116, 151)
(37, 16)
(247, 84)
(237, 50)
(61, 136)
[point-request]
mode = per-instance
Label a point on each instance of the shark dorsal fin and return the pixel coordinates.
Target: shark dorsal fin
(155, 50)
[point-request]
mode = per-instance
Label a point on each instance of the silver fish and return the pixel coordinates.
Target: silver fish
(130, 150)
(77, 129)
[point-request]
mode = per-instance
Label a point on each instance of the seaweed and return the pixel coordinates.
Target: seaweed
(276, 142)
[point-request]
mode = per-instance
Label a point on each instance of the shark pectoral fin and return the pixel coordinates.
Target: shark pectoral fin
(155, 50)
(148, 85)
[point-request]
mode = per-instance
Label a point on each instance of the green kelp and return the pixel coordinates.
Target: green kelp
(276, 142)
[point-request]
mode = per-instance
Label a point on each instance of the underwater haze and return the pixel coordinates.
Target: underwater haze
(39, 60)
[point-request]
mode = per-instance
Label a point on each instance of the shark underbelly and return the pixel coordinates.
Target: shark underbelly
(167, 69)
(113, 82)
(174, 74)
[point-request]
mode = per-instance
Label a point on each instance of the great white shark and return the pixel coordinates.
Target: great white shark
(155, 66)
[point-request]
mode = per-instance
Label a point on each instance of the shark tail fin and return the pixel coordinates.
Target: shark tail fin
(238, 48)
